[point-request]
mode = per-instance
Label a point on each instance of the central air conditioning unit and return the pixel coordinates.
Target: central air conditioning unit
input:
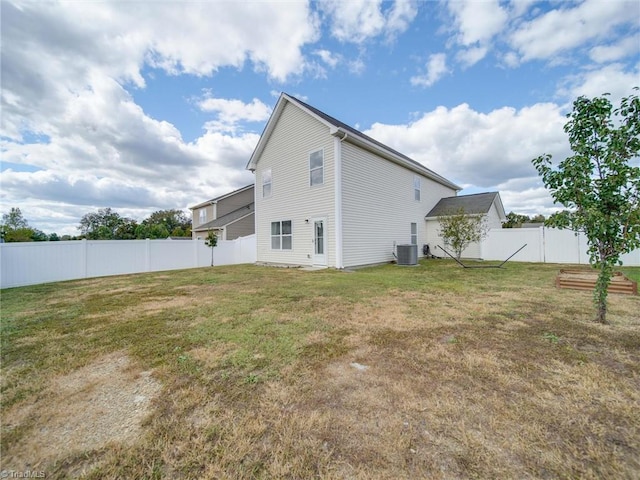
(407, 254)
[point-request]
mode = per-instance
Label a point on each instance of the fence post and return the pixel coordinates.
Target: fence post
(147, 255)
(84, 253)
(195, 252)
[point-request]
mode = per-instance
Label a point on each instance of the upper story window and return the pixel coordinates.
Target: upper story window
(316, 168)
(414, 234)
(281, 235)
(416, 188)
(202, 216)
(266, 183)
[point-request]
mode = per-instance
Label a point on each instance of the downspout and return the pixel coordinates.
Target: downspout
(338, 196)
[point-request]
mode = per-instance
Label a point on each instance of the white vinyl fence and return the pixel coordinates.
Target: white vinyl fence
(546, 245)
(33, 263)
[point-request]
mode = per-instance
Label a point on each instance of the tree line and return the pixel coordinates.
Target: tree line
(105, 224)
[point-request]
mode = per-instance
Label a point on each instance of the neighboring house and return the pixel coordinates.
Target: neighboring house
(328, 195)
(230, 216)
(487, 204)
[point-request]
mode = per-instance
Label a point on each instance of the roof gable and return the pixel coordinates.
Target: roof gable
(228, 218)
(222, 197)
(346, 133)
(474, 204)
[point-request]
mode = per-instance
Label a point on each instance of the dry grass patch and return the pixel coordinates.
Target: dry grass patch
(102, 403)
(432, 372)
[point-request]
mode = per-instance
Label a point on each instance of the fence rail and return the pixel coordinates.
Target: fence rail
(41, 262)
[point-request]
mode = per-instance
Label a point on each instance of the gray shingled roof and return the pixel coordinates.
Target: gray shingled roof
(227, 219)
(478, 203)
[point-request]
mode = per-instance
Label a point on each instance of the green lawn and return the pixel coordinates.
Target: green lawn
(386, 372)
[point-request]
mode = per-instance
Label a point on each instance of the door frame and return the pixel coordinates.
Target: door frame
(320, 260)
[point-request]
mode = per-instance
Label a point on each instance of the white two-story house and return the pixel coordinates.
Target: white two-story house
(328, 195)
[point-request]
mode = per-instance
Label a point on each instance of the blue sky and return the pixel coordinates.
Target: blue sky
(142, 106)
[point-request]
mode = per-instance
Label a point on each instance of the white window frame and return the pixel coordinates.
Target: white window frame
(266, 182)
(202, 216)
(280, 236)
(414, 233)
(316, 169)
(417, 187)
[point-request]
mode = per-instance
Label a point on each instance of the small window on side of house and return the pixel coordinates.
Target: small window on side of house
(316, 168)
(281, 235)
(416, 188)
(202, 216)
(414, 234)
(266, 183)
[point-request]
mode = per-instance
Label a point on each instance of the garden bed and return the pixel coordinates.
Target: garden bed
(586, 280)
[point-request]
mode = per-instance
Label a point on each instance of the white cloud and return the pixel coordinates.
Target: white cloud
(477, 21)
(476, 24)
(486, 150)
(520, 7)
(471, 56)
(614, 79)
(357, 67)
(527, 197)
(359, 20)
(400, 17)
(608, 53)
(566, 28)
(231, 112)
(331, 59)
(126, 157)
(436, 69)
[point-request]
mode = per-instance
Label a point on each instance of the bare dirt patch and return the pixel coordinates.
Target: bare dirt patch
(104, 402)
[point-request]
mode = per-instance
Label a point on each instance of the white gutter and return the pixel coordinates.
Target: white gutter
(337, 186)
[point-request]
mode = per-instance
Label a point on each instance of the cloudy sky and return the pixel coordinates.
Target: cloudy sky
(148, 105)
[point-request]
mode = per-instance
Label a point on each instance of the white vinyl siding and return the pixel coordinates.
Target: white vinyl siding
(377, 207)
(286, 153)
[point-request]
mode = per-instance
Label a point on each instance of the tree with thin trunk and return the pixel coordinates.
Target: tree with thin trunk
(599, 185)
(458, 229)
(211, 242)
